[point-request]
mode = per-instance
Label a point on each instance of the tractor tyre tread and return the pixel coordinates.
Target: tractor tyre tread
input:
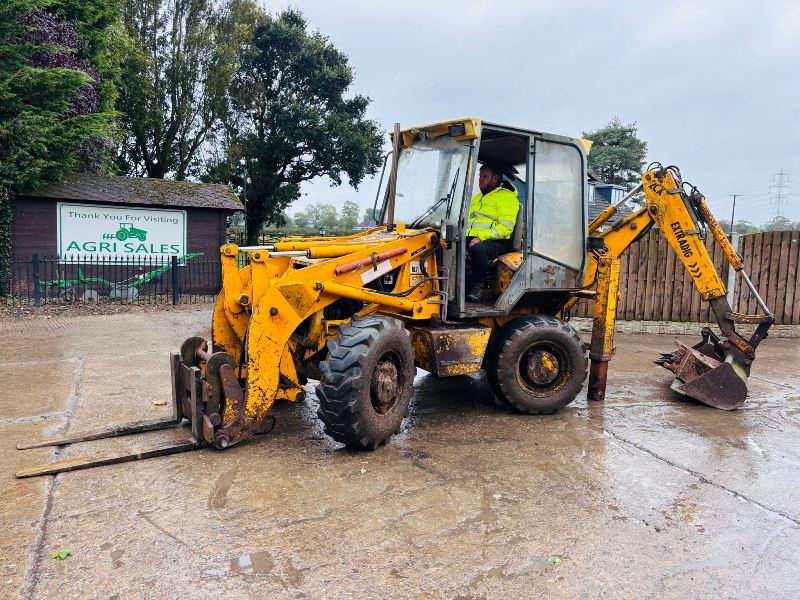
(491, 373)
(343, 392)
(510, 343)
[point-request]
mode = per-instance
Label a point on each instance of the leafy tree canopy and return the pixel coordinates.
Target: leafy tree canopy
(781, 223)
(318, 215)
(54, 99)
(741, 226)
(618, 155)
(57, 73)
(181, 57)
(349, 215)
(370, 217)
(292, 120)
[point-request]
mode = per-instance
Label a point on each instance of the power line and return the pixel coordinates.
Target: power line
(752, 187)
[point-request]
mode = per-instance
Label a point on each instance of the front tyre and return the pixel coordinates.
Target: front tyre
(540, 365)
(367, 382)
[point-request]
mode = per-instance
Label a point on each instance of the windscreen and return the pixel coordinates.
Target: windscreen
(430, 181)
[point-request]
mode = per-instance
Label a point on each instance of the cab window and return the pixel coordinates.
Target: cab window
(558, 225)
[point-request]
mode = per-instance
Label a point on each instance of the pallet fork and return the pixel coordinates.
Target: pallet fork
(190, 395)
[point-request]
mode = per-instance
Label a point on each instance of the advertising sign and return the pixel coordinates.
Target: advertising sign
(87, 231)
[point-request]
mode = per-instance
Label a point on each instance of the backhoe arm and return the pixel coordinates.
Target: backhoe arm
(716, 370)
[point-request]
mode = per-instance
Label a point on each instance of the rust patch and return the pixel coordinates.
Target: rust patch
(446, 352)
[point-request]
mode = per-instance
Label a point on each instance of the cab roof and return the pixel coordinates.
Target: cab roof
(468, 128)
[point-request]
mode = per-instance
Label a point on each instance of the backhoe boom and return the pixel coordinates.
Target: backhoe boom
(715, 371)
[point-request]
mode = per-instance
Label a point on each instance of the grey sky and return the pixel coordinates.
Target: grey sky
(713, 85)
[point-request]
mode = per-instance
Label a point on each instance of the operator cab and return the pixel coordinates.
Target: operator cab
(437, 177)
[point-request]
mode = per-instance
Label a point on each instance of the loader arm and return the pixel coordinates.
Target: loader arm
(261, 308)
(716, 370)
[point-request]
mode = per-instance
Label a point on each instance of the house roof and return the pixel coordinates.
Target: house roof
(598, 204)
(140, 190)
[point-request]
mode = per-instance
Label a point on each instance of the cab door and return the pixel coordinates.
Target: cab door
(556, 240)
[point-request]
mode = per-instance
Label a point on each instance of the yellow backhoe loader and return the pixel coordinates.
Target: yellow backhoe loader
(360, 313)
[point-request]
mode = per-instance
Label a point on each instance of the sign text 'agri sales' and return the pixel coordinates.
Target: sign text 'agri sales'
(111, 232)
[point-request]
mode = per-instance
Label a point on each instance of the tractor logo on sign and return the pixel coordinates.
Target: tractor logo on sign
(126, 231)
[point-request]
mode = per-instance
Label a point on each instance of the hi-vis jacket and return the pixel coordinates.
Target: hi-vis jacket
(492, 216)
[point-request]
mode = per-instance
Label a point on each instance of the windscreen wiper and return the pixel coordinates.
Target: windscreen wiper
(449, 199)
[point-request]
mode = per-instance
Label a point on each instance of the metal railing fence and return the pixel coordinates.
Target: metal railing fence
(48, 280)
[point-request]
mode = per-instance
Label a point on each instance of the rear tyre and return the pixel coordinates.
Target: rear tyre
(491, 372)
(540, 365)
(367, 382)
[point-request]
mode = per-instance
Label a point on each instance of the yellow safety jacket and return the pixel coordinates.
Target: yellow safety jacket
(492, 216)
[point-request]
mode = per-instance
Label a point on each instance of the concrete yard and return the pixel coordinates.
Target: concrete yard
(642, 496)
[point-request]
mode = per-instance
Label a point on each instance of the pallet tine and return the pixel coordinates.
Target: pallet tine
(186, 400)
(101, 434)
(87, 462)
(131, 428)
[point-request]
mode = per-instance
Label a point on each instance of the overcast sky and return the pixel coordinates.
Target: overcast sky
(713, 85)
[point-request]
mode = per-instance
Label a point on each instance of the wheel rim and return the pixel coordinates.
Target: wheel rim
(543, 369)
(386, 383)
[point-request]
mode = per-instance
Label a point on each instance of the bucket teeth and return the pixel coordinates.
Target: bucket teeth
(665, 358)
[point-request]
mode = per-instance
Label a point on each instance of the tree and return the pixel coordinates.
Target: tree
(781, 223)
(180, 60)
(617, 155)
(371, 216)
(349, 215)
(321, 215)
(55, 91)
(301, 219)
(745, 227)
(294, 121)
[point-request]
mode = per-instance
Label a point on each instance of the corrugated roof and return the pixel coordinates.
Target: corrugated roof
(140, 190)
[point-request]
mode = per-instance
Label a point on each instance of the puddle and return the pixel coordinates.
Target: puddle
(220, 573)
(538, 565)
(293, 576)
(258, 563)
(219, 495)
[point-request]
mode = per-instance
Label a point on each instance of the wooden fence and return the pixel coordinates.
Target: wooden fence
(654, 285)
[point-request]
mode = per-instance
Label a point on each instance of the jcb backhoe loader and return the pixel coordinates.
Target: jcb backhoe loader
(360, 313)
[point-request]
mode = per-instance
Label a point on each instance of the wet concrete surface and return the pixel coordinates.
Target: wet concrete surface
(642, 496)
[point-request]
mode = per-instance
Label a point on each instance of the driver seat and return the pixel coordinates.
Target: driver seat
(507, 264)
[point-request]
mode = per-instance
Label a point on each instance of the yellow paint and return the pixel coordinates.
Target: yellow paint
(300, 295)
(666, 206)
(585, 144)
(279, 297)
(605, 309)
(472, 130)
(550, 363)
(730, 254)
(469, 345)
(507, 265)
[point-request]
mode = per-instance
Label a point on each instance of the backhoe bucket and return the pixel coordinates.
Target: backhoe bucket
(705, 378)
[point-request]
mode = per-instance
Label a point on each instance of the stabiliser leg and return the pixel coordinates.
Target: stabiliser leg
(604, 318)
(188, 394)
